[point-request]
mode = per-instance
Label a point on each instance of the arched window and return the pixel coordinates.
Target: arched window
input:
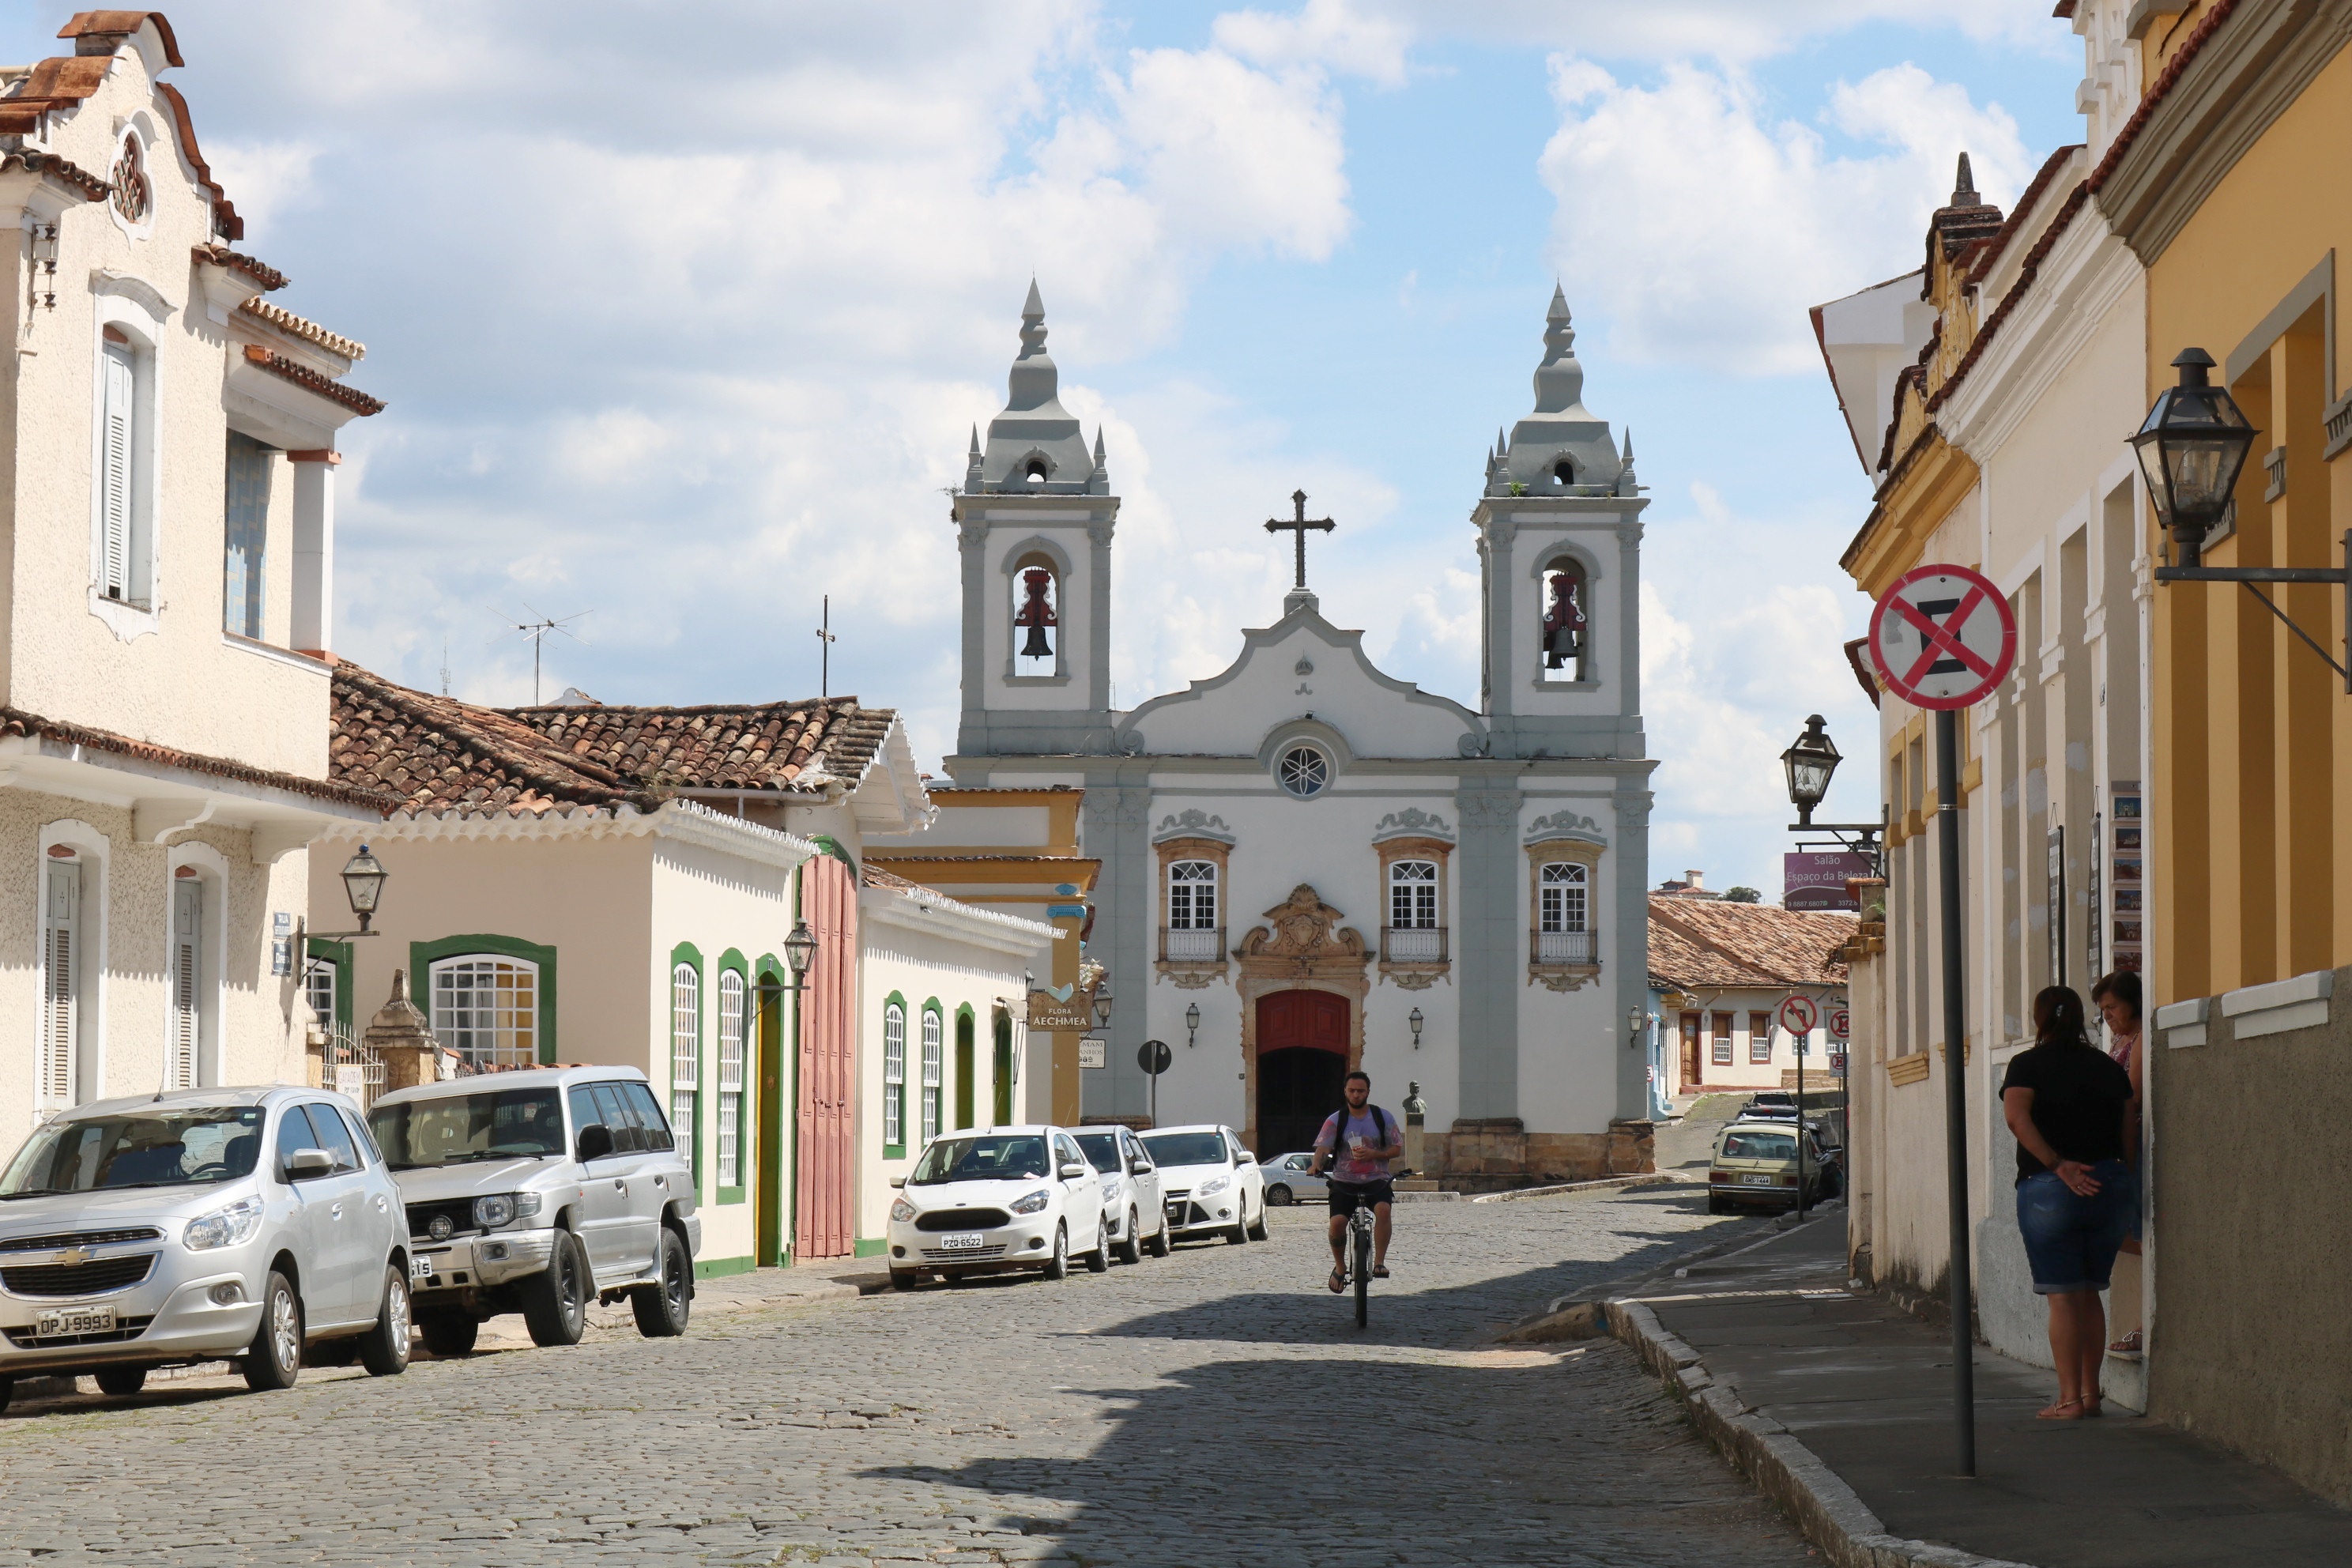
(1413, 895)
(1193, 895)
(894, 1075)
(1037, 616)
(731, 1078)
(1563, 472)
(64, 964)
(1562, 932)
(134, 197)
(486, 1008)
(184, 1051)
(1564, 627)
(123, 462)
(930, 1074)
(685, 1054)
(1304, 771)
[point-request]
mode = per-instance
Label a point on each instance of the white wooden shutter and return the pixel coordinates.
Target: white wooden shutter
(60, 957)
(187, 971)
(114, 478)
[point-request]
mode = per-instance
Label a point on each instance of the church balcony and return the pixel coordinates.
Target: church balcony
(1413, 944)
(1564, 960)
(1193, 957)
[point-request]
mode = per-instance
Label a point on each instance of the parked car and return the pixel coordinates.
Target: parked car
(1755, 1166)
(995, 1201)
(197, 1225)
(1130, 1190)
(1291, 1178)
(1209, 1183)
(535, 1192)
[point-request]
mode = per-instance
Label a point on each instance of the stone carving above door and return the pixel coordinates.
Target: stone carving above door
(1303, 927)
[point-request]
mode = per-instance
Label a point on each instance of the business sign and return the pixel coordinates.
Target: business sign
(1943, 637)
(1065, 1007)
(1798, 1016)
(1094, 1054)
(1816, 879)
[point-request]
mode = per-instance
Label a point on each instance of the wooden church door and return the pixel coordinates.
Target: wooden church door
(1302, 1066)
(826, 1223)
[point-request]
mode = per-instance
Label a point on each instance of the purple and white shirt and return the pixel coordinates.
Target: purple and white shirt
(1335, 1138)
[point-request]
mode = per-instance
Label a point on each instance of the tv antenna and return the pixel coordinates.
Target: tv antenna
(824, 639)
(537, 631)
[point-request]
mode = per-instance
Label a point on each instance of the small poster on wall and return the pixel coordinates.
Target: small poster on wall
(2123, 878)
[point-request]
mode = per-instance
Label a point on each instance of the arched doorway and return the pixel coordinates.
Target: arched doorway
(1302, 1063)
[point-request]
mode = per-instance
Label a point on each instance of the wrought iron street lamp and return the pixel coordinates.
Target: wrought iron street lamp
(800, 952)
(1415, 1019)
(363, 880)
(1192, 1026)
(1810, 764)
(1637, 1024)
(2191, 447)
(1102, 1004)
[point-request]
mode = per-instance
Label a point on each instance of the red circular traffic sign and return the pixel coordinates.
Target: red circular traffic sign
(1840, 1023)
(1798, 1016)
(1943, 637)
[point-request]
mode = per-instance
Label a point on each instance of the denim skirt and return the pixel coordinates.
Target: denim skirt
(2070, 1241)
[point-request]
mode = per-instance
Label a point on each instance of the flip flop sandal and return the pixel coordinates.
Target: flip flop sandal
(1379, 1271)
(1338, 1281)
(2059, 1411)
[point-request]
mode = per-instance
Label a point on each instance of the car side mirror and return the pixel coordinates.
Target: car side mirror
(304, 1163)
(897, 1182)
(595, 1142)
(1074, 1169)
(1139, 1168)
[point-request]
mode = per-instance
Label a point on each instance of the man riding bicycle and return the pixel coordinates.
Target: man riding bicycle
(1357, 1142)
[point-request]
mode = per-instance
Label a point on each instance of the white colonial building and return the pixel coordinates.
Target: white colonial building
(1334, 866)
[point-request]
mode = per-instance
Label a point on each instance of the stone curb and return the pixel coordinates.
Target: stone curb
(1654, 1178)
(1833, 1517)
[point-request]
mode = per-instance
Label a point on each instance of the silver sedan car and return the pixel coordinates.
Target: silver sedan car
(198, 1225)
(1289, 1179)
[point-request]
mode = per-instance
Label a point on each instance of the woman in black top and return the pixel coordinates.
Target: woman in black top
(2065, 1100)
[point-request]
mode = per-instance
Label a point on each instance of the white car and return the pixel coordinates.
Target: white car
(995, 1200)
(1130, 1189)
(1208, 1182)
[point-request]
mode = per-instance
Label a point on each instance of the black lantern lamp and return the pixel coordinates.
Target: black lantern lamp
(1192, 1026)
(364, 878)
(800, 952)
(2191, 447)
(1103, 1004)
(1415, 1020)
(1810, 761)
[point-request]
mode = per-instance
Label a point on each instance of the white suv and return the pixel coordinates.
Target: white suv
(1209, 1183)
(1130, 1188)
(536, 1191)
(993, 1201)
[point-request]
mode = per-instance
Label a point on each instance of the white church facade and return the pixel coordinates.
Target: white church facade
(1336, 868)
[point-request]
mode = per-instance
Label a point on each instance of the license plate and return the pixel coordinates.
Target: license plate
(74, 1320)
(957, 1240)
(1759, 1181)
(420, 1270)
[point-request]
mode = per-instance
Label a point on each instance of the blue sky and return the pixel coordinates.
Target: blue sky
(683, 325)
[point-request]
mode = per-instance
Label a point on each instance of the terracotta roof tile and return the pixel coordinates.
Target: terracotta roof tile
(1711, 943)
(16, 722)
(310, 331)
(326, 386)
(264, 275)
(440, 755)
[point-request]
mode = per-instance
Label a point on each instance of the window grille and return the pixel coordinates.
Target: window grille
(1305, 771)
(186, 982)
(486, 1009)
(1413, 894)
(731, 1079)
(1193, 895)
(319, 984)
(930, 1075)
(60, 982)
(1722, 1052)
(1562, 896)
(684, 1056)
(894, 1075)
(1759, 1037)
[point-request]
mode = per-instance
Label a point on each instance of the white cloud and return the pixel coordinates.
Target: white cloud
(266, 179)
(1324, 32)
(1732, 30)
(1704, 229)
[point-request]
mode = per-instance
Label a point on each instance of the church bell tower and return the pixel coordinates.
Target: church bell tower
(1034, 519)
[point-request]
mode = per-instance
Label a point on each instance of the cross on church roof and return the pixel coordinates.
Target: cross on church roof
(1298, 525)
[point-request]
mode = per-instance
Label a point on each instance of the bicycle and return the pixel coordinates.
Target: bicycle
(1360, 1239)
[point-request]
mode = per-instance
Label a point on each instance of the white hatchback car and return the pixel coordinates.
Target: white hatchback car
(1208, 1182)
(993, 1200)
(1130, 1190)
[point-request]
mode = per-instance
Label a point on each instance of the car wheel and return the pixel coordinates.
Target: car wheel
(448, 1334)
(1717, 1206)
(1099, 1260)
(1257, 1231)
(7, 1390)
(1278, 1195)
(1131, 1250)
(1239, 1234)
(121, 1381)
(274, 1359)
(1059, 1267)
(1163, 1242)
(662, 1309)
(904, 1279)
(555, 1300)
(383, 1348)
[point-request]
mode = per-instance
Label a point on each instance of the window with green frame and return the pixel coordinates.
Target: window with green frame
(894, 1077)
(686, 1054)
(489, 998)
(734, 1017)
(933, 1045)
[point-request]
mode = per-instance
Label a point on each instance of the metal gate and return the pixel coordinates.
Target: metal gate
(349, 1067)
(825, 1218)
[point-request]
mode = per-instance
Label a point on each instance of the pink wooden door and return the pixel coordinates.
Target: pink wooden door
(827, 1223)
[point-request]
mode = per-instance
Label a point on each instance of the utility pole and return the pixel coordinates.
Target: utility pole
(824, 639)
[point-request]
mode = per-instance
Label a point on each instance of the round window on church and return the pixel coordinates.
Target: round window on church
(1305, 771)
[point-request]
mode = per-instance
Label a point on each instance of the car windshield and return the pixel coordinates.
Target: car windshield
(160, 1147)
(1759, 1146)
(1101, 1149)
(502, 1124)
(1187, 1148)
(994, 1159)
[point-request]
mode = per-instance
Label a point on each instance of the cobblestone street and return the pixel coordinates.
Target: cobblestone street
(1214, 1408)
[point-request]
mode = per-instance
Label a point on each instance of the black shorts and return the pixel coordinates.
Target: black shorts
(1347, 1196)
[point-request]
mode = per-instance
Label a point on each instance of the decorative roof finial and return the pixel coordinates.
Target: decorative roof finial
(1559, 380)
(1964, 187)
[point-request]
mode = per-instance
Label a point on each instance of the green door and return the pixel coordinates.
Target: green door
(963, 1069)
(1004, 1021)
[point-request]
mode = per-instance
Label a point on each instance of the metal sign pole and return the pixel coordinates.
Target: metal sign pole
(1801, 1129)
(1956, 1102)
